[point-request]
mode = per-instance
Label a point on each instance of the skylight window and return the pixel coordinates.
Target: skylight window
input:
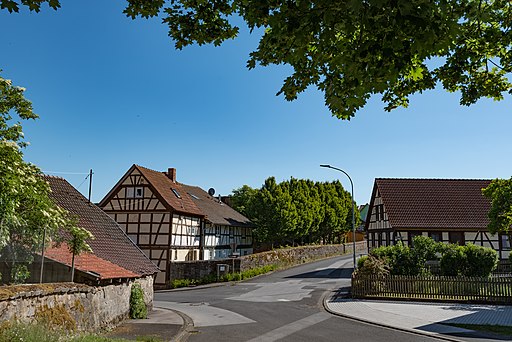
(193, 196)
(176, 192)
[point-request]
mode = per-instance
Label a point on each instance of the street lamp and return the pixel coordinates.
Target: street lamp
(353, 210)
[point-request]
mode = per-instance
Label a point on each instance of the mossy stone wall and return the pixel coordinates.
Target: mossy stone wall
(70, 305)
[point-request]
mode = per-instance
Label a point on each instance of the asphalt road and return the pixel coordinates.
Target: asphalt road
(284, 306)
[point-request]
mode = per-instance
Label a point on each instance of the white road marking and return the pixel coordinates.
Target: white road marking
(205, 315)
(287, 330)
(290, 290)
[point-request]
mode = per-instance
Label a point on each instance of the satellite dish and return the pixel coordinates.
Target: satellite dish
(211, 192)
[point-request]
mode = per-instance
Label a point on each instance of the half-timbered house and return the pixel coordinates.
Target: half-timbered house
(158, 215)
(226, 232)
(447, 210)
(170, 221)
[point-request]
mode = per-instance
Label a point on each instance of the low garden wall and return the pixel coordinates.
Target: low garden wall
(71, 305)
(282, 257)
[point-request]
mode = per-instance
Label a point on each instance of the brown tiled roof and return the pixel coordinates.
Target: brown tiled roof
(434, 203)
(215, 211)
(163, 185)
(110, 243)
(87, 262)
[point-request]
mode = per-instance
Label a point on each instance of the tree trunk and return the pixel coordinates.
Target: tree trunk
(73, 268)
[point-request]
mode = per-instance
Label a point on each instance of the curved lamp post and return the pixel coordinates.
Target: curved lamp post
(353, 210)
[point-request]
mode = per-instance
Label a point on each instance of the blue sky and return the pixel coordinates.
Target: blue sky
(112, 92)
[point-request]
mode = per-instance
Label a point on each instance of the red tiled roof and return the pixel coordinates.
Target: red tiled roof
(434, 203)
(110, 242)
(87, 262)
(164, 186)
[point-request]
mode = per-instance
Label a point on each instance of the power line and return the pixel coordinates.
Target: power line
(78, 187)
(66, 173)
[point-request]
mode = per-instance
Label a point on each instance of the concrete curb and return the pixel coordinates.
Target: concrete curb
(411, 331)
(186, 328)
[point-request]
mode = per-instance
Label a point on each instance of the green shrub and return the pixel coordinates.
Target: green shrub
(400, 259)
(19, 274)
(372, 266)
(426, 249)
(480, 261)
(137, 305)
(180, 283)
(361, 261)
(468, 260)
(176, 283)
(453, 261)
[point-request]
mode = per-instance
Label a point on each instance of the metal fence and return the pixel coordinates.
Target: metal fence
(496, 290)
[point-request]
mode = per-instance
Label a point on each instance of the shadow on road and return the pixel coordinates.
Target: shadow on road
(328, 273)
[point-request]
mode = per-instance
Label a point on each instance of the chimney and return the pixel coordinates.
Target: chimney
(171, 174)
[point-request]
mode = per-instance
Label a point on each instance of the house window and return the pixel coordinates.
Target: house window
(456, 237)
(436, 236)
(134, 192)
(379, 212)
(139, 192)
(505, 242)
(388, 238)
(130, 192)
(193, 196)
(380, 239)
(176, 193)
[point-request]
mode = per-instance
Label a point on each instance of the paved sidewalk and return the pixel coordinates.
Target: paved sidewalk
(425, 318)
(166, 325)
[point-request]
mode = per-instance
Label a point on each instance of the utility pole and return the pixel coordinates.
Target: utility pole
(90, 184)
(42, 256)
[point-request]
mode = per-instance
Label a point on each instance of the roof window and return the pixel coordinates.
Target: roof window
(193, 196)
(176, 192)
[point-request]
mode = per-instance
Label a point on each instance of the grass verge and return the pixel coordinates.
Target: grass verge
(33, 332)
(228, 277)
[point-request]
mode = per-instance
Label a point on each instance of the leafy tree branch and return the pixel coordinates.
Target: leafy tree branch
(352, 50)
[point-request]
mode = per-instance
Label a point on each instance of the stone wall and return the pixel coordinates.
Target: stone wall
(283, 257)
(71, 305)
(200, 268)
(299, 255)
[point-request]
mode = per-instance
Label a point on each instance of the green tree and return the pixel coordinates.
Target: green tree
(337, 209)
(77, 244)
(25, 206)
(243, 201)
(296, 211)
(499, 192)
(351, 50)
